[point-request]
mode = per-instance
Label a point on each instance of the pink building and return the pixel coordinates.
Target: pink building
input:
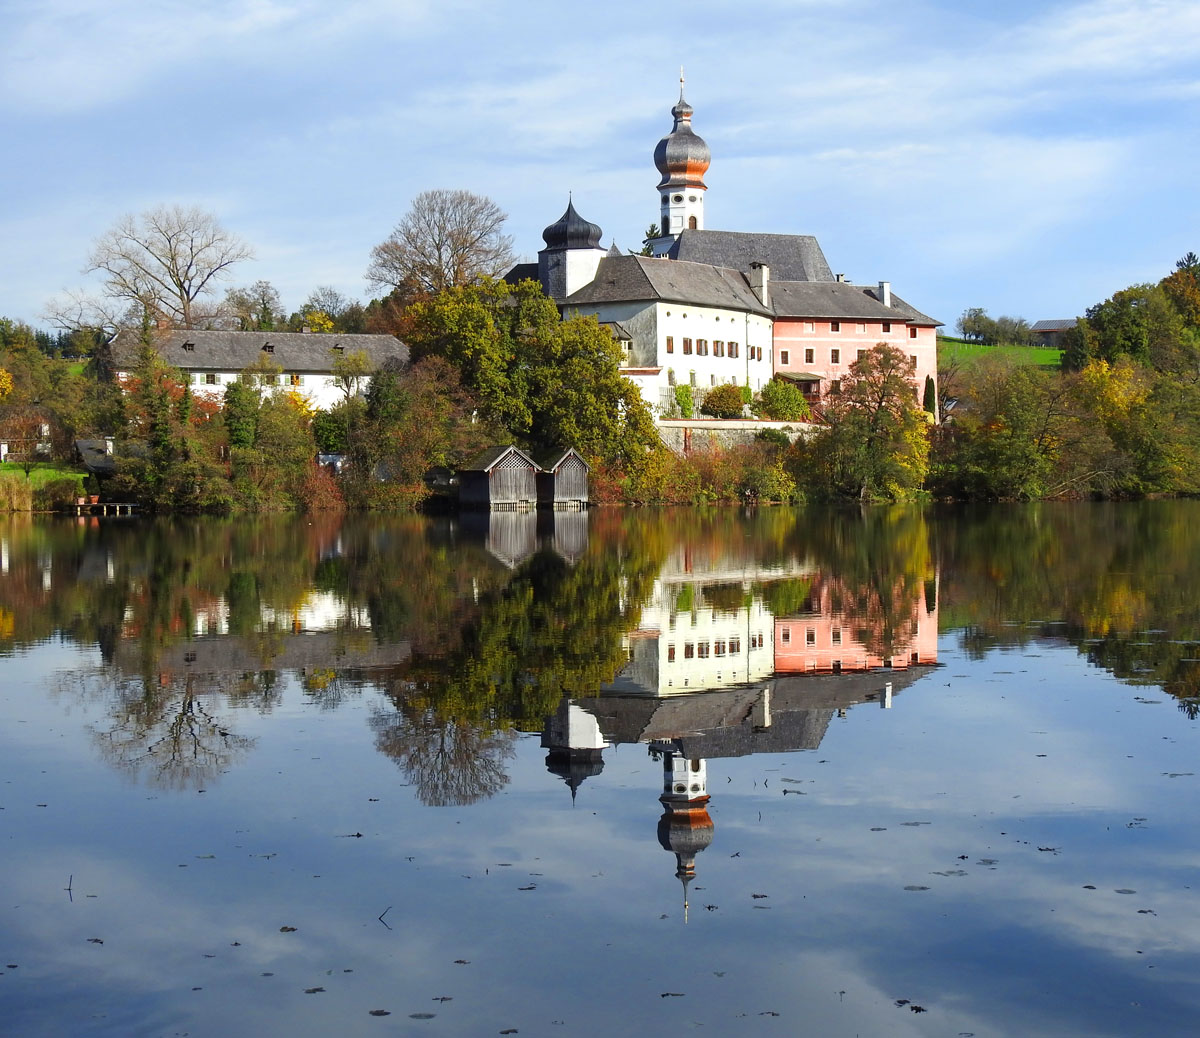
(822, 327)
(839, 632)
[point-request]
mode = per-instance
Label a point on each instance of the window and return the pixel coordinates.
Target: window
(189, 347)
(785, 635)
(296, 380)
(810, 326)
(913, 358)
(887, 327)
(861, 354)
(268, 347)
(701, 347)
(733, 349)
(670, 344)
(861, 328)
(687, 346)
(835, 356)
(835, 386)
(810, 636)
(718, 348)
(702, 650)
(835, 326)
(670, 653)
(210, 379)
(670, 376)
(712, 380)
(718, 648)
(808, 356)
(837, 636)
(783, 356)
(912, 332)
(692, 377)
(689, 651)
(691, 223)
(735, 646)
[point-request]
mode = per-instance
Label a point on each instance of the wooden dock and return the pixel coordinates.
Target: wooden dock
(81, 508)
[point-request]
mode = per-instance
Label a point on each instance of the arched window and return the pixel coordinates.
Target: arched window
(691, 223)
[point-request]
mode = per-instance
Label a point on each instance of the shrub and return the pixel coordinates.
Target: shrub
(56, 494)
(723, 402)
(683, 397)
(783, 401)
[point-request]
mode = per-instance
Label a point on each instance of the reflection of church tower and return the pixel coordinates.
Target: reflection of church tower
(682, 158)
(576, 745)
(685, 827)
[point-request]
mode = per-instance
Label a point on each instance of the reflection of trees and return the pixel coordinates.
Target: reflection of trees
(450, 762)
(1118, 580)
(167, 733)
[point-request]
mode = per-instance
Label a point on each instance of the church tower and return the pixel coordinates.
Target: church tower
(682, 158)
(571, 256)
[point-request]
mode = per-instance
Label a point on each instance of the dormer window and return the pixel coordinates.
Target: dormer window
(268, 347)
(189, 347)
(339, 349)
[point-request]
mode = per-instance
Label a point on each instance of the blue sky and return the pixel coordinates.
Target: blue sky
(1027, 158)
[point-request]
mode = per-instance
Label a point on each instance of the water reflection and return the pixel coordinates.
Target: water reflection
(472, 629)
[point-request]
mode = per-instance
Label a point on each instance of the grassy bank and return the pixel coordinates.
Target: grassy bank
(959, 351)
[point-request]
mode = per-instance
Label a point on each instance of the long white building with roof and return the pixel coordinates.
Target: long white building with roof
(712, 307)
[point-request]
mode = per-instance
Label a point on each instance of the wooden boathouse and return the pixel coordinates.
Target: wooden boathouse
(503, 479)
(563, 480)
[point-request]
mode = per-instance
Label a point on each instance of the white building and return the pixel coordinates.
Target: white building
(211, 360)
(713, 307)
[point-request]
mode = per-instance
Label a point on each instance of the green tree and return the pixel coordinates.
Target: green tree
(783, 401)
(876, 445)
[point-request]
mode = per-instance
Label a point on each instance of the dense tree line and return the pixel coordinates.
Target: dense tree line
(1122, 417)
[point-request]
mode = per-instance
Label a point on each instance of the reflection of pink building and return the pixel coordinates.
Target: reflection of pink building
(822, 327)
(827, 639)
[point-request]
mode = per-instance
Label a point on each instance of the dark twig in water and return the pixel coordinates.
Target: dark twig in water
(383, 913)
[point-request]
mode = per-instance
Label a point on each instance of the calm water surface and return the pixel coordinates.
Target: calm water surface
(790, 772)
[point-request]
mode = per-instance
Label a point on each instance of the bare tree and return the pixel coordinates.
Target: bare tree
(447, 238)
(255, 308)
(166, 260)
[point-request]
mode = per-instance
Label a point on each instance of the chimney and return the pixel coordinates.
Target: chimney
(760, 282)
(885, 293)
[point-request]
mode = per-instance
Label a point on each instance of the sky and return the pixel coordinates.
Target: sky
(1027, 158)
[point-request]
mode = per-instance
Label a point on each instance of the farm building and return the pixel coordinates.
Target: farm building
(503, 479)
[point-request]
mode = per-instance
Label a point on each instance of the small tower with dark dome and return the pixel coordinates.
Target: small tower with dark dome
(682, 159)
(571, 256)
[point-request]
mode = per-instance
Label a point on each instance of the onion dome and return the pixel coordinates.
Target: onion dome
(572, 231)
(573, 766)
(685, 829)
(681, 156)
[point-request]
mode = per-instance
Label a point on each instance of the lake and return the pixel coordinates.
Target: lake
(834, 773)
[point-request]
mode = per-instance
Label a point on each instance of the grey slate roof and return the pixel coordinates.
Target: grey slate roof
(549, 460)
(94, 456)
(522, 272)
(486, 461)
(834, 299)
(1054, 326)
(909, 312)
(791, 257)
(233, 351)
(634, 278)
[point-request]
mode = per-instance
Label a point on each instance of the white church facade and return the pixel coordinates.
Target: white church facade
(708, 308)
